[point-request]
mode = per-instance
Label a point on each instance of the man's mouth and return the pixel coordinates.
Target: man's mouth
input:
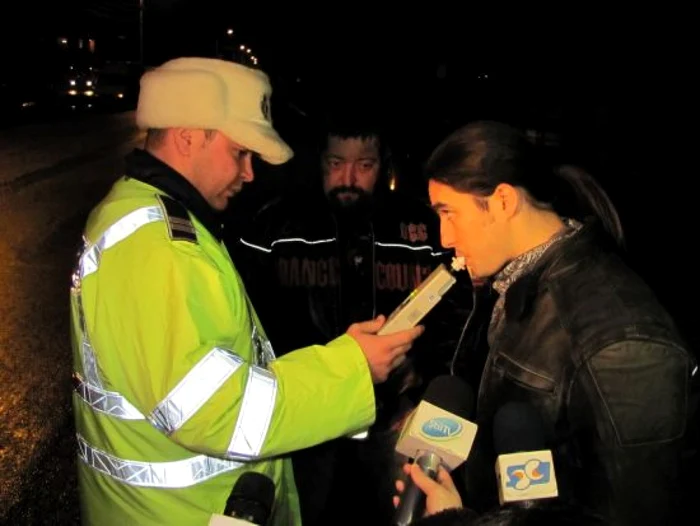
(459, 263)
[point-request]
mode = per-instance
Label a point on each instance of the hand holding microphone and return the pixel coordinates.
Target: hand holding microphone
(440, 494)
(524, 467)
(437, 435)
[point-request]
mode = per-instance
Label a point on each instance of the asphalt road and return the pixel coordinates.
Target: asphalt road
(42, 212)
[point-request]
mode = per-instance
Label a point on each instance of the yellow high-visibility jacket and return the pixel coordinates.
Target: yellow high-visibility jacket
(177, 389)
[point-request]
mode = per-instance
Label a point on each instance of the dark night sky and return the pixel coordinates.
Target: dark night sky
(316, 39)
(349, 42)
(629, 59)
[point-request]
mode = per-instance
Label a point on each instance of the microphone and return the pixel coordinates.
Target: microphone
(524, 467)
(438, 433)
(250, 502)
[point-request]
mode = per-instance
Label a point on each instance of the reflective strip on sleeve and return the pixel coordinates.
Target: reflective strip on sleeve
(90, 362)
(89, 262)
(108, 402)
(123, 228)
(255, 414)
(176, 474)
(193, 391)
(87, 354)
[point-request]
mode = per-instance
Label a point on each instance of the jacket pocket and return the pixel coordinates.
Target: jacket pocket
(523, 375)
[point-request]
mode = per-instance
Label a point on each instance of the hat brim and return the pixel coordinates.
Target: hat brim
(260, 138)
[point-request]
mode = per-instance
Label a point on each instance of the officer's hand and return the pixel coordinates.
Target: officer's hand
(383, 353)
(440, 494)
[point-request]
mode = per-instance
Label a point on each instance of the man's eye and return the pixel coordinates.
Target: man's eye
(242, 154)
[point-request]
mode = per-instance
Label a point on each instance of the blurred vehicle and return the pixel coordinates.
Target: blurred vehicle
(117, 84)
(75, 84)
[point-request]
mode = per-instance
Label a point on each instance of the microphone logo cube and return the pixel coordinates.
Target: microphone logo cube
(431, 428)
(526, 476)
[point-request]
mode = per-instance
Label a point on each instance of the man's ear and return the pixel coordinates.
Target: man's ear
(505, 201)
(183, 139)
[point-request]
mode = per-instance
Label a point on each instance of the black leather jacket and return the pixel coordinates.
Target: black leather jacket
(586, 342)
(311, 274)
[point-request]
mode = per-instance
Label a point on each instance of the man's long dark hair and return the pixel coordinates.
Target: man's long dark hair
(478, 157)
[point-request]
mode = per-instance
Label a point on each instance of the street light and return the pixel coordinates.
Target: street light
(229, 33)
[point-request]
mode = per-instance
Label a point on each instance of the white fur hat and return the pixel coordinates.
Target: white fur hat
(212, 94)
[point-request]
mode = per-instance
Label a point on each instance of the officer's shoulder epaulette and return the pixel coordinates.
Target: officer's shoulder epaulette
(180, 226)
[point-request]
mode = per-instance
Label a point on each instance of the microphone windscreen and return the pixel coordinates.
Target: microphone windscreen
(451, 394)
(517, 426)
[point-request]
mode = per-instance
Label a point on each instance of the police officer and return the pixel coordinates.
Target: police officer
(177, 389)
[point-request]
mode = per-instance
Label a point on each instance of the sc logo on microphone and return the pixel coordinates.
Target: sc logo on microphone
(441, 428)
(532, 473)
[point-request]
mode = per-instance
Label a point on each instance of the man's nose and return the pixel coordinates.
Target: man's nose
(446, 235)
(350, 174)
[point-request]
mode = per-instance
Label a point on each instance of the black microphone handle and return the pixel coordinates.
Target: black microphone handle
(412, 502)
